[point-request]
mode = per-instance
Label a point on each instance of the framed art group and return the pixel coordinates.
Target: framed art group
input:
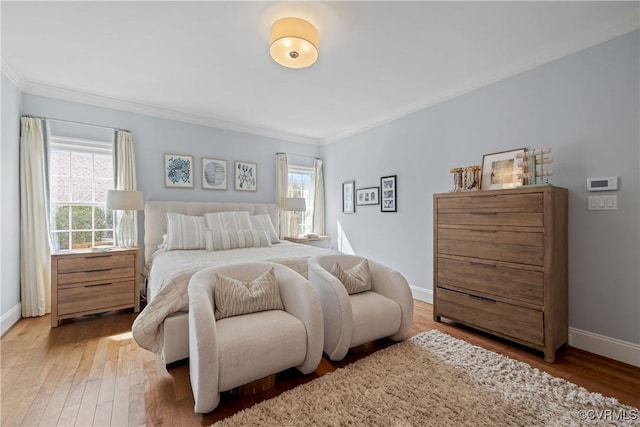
(179, 173)
(385, 195)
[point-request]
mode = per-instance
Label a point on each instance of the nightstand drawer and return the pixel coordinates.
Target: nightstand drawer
(81, 277)
(94, 262)
(100, 296)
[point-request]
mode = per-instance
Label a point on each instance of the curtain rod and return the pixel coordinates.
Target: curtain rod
(77, 123)
(300, 155)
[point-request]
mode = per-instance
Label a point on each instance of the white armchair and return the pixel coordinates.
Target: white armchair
(234, 351)
(351, 320)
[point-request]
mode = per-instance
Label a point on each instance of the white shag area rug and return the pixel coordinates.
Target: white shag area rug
(433, 379)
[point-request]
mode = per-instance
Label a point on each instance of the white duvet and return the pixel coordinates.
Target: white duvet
(171, 271)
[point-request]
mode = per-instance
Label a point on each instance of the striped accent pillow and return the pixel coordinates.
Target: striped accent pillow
(356, 279)
(217, 240)
(184, 232)
(263, 222)
(228, 220)
(233, 297)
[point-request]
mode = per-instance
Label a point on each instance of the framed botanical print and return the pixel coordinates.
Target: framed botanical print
(178, 171)
(246, 176)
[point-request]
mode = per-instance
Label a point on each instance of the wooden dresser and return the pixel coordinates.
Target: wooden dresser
(500, 263)
(87, 282)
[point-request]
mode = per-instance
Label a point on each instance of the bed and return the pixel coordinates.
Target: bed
(162, 327)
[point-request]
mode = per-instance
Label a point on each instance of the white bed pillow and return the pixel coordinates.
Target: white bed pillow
(221, 240)
(263, 222)
(238, 220)
(184, 232)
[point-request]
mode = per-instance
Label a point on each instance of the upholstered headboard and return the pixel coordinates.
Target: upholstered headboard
(155, 223)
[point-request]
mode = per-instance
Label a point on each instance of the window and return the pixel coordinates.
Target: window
(80, 173)
(301, 184)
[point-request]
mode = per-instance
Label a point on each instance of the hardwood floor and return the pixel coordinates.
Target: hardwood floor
(91, 372)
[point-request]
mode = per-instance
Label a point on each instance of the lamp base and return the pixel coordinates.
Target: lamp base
(125, 230)
(294, 225)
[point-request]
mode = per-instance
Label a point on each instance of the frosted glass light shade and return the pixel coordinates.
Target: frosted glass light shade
(294, 43)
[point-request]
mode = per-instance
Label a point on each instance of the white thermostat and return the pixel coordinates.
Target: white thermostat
(602, 184)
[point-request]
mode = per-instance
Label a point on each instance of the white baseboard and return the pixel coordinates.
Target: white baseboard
(422, 294)
(10, 318)
(612, 348)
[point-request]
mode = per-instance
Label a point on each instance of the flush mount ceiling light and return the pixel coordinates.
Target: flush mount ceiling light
(294, 43)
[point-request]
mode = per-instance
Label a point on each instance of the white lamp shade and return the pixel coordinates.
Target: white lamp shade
(120, 200)
(296, 204)
(294, 43)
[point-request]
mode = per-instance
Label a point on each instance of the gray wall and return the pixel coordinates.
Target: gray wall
(585, 107)
(10, 197)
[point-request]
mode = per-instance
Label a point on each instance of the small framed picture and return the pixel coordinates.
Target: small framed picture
(178, 171)
(348, 197)
(368, 196)
(389, 193)
(214, 174)
(501, 170)
(246, 176)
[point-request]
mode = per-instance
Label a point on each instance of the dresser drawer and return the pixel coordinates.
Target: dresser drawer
(491, 235)
(508, 320)
(103, 262)
(491, 279)
(529, 255)
(493, 219)
(492, 203)
(95, 297)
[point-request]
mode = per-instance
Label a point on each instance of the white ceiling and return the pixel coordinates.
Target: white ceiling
(208, 62)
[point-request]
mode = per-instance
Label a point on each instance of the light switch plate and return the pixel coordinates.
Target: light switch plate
(602, 203)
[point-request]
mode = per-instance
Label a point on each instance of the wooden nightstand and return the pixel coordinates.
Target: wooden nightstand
(93, 281)
(320, 241)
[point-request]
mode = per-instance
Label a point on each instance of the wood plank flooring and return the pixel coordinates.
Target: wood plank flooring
(90, 371)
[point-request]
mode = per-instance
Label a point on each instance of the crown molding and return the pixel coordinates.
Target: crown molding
(13, 76)
(41, 89)
(561, 50)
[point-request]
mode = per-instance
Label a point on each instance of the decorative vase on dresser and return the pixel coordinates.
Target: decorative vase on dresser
(500, 263)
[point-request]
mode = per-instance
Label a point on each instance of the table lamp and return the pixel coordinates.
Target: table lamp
(126, 201)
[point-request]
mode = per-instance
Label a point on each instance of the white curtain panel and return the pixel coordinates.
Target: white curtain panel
(125, 175)
(282, 189)
(35, 240)
(318, 198)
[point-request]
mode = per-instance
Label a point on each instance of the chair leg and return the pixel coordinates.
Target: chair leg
(363, 348)
(255, 387)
